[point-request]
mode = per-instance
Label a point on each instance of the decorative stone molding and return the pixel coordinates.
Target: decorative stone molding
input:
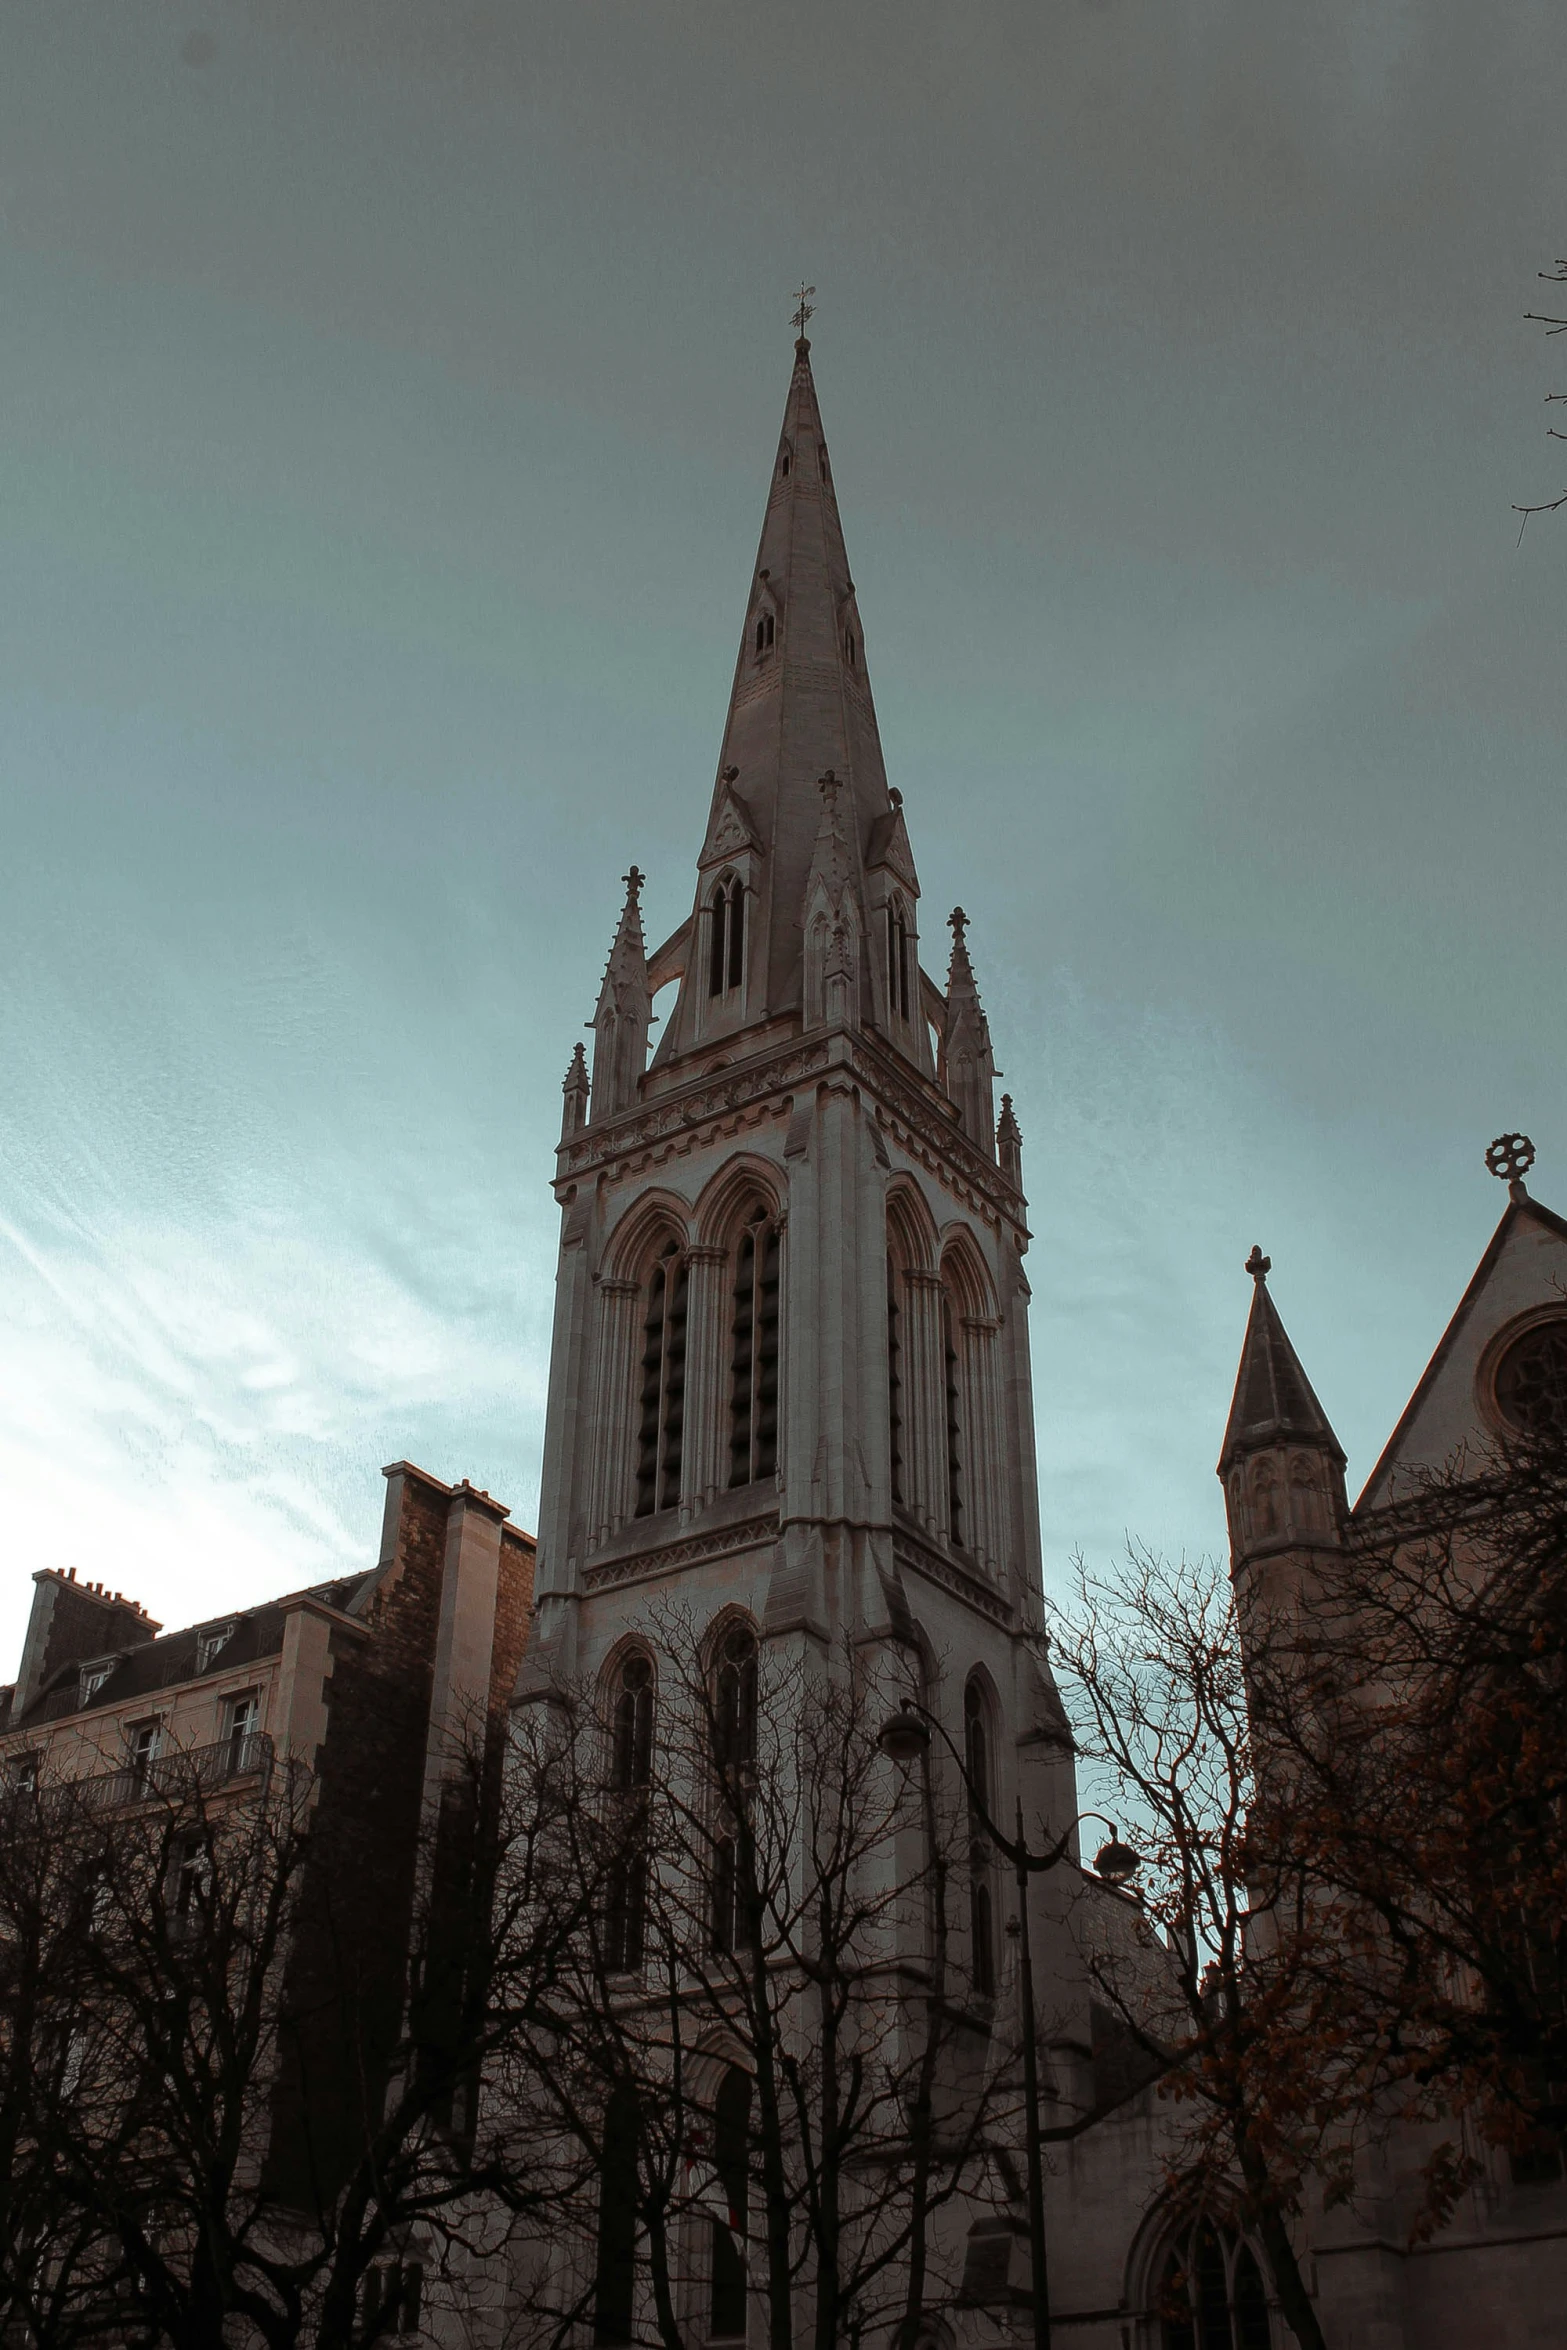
(679, 1116)
(746, 1534)
(909, 1552)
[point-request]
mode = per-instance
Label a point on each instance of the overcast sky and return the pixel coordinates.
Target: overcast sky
(389, 389)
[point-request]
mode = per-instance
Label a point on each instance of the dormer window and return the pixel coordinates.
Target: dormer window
(92, 1679)
(210, 1643)
(783, 464)
(726, 947)
(850, 649)
(766, 628)
(821, 459)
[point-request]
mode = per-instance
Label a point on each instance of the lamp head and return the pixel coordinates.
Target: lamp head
(1116, 1862)
(903, 1737)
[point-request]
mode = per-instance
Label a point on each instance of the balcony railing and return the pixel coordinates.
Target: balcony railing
(191, 1770)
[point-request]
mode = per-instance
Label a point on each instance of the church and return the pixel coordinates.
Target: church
(790, 1388)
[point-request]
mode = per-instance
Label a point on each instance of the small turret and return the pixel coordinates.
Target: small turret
(968, 1066)
(574, 1113)
(1009, 1144)
(624, 1014)
(1281, 1465)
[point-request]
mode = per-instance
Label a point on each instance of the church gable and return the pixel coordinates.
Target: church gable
(731, 832)
(1468, 1386)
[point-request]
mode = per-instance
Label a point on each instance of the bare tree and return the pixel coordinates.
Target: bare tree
(757, 2041)
(160, 2045)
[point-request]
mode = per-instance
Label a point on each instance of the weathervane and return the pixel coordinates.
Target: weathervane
(805, 313)
(1509, 1158)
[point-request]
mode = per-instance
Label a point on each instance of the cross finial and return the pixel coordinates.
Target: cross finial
(1258, 1266)
(805, 311)
(633, 881)
(957, 923)
(1509, 1158)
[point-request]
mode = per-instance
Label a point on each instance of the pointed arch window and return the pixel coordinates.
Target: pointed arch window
(630, 1774)
(661, 1427)
(1211, 2293)
(615, 2269)
(952, 1365)
(851, 651)
(726, 946)
(766, 631)
(981, 1792)
(753, 1362)
(895, 1375)
(731, 2165)
(734, 1761)
(898, 962)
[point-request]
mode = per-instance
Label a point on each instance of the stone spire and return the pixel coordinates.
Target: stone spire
(624, 1014)
(574, 1112)
(800, 707)
(968, 1065)
(1009, 1143)
(1281, 1464)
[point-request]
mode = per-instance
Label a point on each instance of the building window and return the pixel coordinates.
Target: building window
(1211, 2294)
(211, 1643)
(24, 1774)
(661, 1427)
(91, 1679)
(1531, 1380)
(898, 960)
(982, 1799)
(783, 464)
(766, 628)
(726, 946)
(145, 1740)
(390, 2299)
(734, 1758)
(895, 1377)
(191, 1880)
(955, 1445)
(630, 1772)
(615, 2270)
(753, 1383)
(242, 1717)
(731, 2168)
(849, 649)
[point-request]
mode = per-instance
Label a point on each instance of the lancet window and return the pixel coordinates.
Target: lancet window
(629, 1774)
(766, 624)
(895, 1377)
(957, 1464)
(733, 1699)
(753, 1361)
(1211, 2295)
(899, 993)
(982, 1798)
(661, 1424)
(726, 946)
(615, 2269)
(731, 2177)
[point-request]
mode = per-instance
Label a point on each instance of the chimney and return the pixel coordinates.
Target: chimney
(71, 1621)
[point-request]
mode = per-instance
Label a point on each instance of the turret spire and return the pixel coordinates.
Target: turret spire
(1273, 1403)
(624, 1013)
(968, 1064)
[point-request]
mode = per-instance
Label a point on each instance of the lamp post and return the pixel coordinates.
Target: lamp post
(905, 1738)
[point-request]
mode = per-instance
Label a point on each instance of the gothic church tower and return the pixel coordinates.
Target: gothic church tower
(790, 1377)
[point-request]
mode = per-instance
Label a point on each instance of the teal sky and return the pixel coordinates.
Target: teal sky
(388, 392)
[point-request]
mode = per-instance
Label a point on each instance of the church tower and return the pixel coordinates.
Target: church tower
(790, 1378)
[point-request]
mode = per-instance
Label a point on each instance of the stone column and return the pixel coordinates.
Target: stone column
(924, 1402)
(614, 1422)
(704, 1466)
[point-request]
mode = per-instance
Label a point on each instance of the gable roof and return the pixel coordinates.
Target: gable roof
(1441, 1413)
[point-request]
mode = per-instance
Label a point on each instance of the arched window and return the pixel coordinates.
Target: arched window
(982, 1919)
(783, 462)
(726, 947)
(734, 1755)
(630, 1771)
(661, 1426)
(766, 626)
(953, 1373)
(850, 650)
(1211, 2294)
(731, 2165)
(895, 1375)
(753, 1361)
(615, 2272)
(898, 992)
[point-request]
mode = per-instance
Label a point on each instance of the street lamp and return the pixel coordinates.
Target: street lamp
(905, 1738)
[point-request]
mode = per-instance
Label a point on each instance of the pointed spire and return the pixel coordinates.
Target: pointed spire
(800, 707)
(968, 1065)
(1273, 1403)
(1009, 1144)
(574, 1115)
(624, 1013)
